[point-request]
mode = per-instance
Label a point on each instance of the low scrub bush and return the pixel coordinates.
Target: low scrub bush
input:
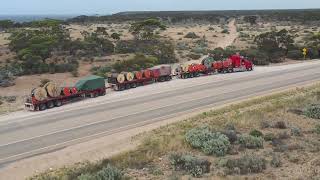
(312, 111)
(232, 135)
(317, 129)
(269, 137)
(249, 163)
(280, 125)
(209, 142)
(109, 172)
(275, 161)
(295, 54)
(193, 165)
(194, 56)
(218, 145)
(256, 133)
(225, 31)
(250, 142)
(295, 131)
(191, 35)
(283, 135)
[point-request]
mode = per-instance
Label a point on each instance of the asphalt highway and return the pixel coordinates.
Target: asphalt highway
(22, 137)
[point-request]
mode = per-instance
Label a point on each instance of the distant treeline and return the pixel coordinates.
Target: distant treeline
(300, 15)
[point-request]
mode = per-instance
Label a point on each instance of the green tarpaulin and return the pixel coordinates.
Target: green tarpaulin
(90, 83)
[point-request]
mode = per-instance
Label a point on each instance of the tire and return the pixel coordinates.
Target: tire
(58, 103)
(50, 104)
(128, 86)
(42, 107)
(133, 85)
(102, 93)
(168, 78)
(121, 87)
(191, 75)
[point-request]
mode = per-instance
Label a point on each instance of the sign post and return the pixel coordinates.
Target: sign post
(304, 52)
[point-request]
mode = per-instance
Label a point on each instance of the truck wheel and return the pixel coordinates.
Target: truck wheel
(168, 78)
(191, 75)
(121, 87)
(50, 104)
(58, 103)
(128, 86)
(42, 107)
(92, 95)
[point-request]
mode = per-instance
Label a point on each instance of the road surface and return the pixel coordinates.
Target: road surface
(29, 133)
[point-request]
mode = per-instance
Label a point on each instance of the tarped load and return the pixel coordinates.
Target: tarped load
(52, 89)
(90, 83)
(40, 94)
(208, 62)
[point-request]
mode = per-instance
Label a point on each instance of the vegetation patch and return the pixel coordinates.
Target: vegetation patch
(313, 111)
(191, 164)
(211, 143)
(250, 142)
(249, 163)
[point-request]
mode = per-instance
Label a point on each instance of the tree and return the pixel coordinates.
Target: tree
(275, 44)
(5, 24)
(144, 30)
(115, 36)
(251, 19)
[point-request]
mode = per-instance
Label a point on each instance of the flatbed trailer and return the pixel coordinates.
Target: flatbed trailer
(138, 82)
(34, 105)
(187, 75)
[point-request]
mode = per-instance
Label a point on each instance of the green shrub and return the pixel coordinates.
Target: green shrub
(218, 145)
(193, 165)
(197, 136)
(109, 172)
(295, 54)
(191, 35)
(210, 143)
(295, 131)
(250, 142)
(232, 135)
(249, 163)
(256, 133)
(313, 111)
(225, 31)
(317, 129)
(269, 137)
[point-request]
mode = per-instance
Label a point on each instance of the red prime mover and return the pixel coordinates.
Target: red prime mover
(234, 63)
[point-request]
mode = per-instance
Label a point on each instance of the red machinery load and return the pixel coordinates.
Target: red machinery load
(138, 75)
(147, 73)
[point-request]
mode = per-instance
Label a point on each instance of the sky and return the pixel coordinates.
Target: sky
(90, 7)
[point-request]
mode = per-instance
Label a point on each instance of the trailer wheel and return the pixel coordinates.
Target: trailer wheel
(102, 93)
(42, 107)
(133, 85)
(121, 87)
(58, 103)
(128, 86)
(50, 104)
